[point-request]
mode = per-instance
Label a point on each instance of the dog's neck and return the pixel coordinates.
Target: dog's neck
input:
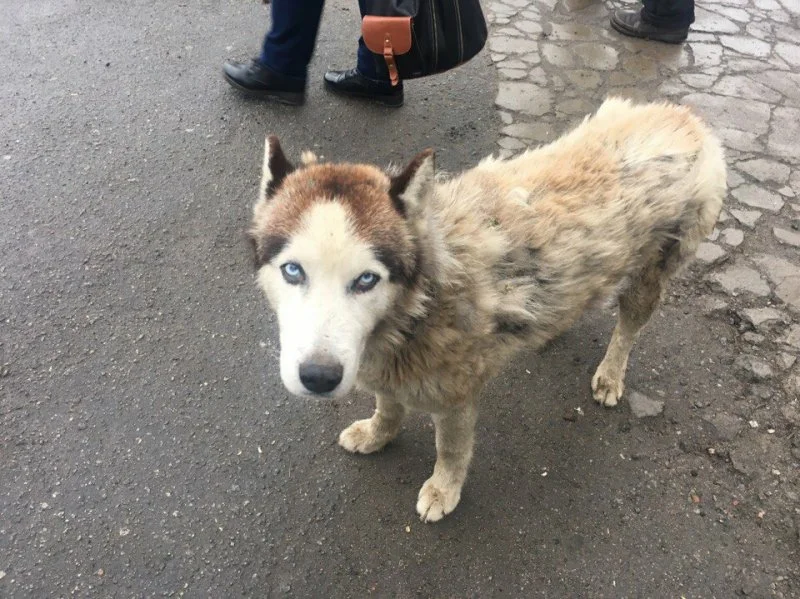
(414, 304)
(440, 304)
(405, 325)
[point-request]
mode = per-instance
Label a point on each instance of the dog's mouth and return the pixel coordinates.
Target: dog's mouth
(301, 392)
(328, 396)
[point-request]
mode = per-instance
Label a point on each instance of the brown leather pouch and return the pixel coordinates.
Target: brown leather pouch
(389, 36)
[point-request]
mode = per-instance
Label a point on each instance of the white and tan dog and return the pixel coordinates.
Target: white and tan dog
(420, 290)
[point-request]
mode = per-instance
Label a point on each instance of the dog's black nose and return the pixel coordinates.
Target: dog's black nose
(321, 376)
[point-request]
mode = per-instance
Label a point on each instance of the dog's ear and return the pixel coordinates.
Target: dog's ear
(411, 188)
(275, 168)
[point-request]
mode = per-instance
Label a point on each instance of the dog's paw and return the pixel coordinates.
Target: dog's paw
(359, 438)
(607, 390)
(436, 501)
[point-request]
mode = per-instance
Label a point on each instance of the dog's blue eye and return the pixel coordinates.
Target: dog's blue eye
(293, 273)
(365, 282)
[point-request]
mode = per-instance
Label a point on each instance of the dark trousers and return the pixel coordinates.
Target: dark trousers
(289, 44)
(669, 14)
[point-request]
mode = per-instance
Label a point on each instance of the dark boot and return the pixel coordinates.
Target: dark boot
(258, 81)
(353, 83)
(630, 23)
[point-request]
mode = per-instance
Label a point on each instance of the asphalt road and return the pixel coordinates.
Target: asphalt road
(147, 447)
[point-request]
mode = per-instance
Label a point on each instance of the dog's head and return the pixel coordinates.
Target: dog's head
(335, 248)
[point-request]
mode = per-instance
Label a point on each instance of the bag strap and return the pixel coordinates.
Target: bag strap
(388, 56)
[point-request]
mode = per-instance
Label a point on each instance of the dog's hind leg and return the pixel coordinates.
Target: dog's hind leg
(455, 434)
(636, 304)
(372, 434)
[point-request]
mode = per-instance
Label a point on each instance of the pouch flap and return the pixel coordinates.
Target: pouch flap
(387, 33)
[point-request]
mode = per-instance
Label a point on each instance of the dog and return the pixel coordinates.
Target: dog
(419, 288)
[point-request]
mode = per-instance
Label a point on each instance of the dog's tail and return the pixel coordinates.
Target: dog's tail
(711, 182)
(707, 191)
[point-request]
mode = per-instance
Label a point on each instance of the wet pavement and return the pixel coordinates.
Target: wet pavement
(740, 69)
(147, 446)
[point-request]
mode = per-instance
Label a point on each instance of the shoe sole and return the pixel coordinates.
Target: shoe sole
(667, 38)
(393, 102)
(288, 98)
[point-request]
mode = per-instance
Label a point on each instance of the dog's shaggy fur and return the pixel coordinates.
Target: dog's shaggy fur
(473, 268)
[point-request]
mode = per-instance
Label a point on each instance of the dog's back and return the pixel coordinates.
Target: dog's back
(631, 188)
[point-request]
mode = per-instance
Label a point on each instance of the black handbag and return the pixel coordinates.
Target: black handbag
(423, 37)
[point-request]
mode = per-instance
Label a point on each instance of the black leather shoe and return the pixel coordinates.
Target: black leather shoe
(629, 22)
(353, 83)
(258, 81)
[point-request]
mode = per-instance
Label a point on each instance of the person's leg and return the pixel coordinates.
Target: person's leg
(289, 44)
(279, 73)
(370, 65)
(369, 79)
(668, 14)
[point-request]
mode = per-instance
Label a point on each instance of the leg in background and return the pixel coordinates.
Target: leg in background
(661, 20)
(668, 14)
(370, 65)
(369, 79)
(289, 44)
(636, 304)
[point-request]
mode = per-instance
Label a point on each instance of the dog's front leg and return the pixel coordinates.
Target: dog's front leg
(367, 436)
(455, 434)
